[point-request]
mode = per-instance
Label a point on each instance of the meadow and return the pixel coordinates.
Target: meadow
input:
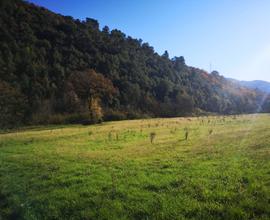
(215, 167)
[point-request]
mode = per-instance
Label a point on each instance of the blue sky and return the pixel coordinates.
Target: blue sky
(231, 36)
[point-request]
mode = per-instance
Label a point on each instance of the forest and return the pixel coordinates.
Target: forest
(55, 69)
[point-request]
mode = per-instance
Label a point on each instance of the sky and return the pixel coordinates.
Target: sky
(230, 36)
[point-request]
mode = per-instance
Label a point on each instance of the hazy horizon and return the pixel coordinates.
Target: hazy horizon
(228, 36)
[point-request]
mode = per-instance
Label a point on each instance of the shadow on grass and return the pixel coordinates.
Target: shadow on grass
(6, 210)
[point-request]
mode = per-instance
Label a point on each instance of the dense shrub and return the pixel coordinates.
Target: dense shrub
(111, 115)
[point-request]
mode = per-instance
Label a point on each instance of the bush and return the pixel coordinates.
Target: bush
(152, 137)
(133, 115)
(114, 116)
(137, 115)
(46, 119)
(77, 118)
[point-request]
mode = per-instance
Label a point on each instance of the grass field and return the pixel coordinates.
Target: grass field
(113, 171)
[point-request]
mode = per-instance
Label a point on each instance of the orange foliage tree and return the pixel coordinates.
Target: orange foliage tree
(90, 87)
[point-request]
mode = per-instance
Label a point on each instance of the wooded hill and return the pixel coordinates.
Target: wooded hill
(57, 69)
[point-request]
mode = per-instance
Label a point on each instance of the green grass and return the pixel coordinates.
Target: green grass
(87, 172)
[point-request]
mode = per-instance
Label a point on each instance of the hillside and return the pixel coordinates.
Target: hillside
(57, 69)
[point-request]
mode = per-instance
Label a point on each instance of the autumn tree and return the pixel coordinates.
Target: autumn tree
(96, 113)
(90, 88)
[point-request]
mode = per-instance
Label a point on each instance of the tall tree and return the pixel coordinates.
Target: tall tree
(13, 106)
(90, 87)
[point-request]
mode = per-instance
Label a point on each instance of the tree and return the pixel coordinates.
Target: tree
(184, 103)
(163, 88)
(90, 87)
(106, 29)
(166, 54)
(96, 113)
(178, 63)
(92, 23)
(13, 106)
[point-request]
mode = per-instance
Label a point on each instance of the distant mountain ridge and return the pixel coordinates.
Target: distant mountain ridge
(260, 85)
(257, 84)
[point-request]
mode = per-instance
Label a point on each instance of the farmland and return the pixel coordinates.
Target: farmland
(215, 167)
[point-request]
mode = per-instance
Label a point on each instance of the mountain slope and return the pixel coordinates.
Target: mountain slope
(43, 52)
(257, 84)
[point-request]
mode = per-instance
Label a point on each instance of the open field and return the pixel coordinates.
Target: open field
(113, 171)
